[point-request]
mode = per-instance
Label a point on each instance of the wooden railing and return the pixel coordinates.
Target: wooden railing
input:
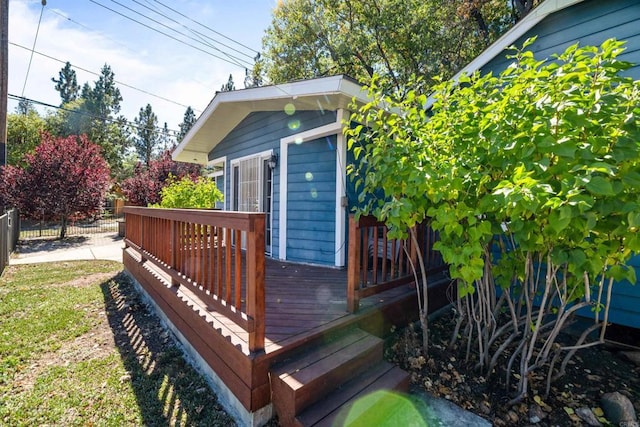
(217, 255)
(378, 263)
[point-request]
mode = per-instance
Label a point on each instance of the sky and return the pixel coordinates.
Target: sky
(150, 67)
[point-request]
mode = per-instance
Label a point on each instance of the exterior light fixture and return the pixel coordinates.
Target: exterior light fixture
(273, 161)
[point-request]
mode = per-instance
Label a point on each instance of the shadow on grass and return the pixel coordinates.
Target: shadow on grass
(168, 390)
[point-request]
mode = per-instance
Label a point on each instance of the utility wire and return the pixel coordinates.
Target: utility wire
(26, 77)
(164, 34)
(88, 28)
(200, 40)
(98, 74)
(93, 116)
(112, 39)
(204, 36)
(208, 28)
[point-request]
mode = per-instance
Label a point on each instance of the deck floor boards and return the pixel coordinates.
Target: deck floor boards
(300, 300)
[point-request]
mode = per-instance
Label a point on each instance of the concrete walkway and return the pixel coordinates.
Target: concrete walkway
(106, 246)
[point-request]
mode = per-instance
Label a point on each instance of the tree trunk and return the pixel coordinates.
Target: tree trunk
(63, 227)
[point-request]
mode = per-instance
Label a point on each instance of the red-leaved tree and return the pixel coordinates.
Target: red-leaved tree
(144, 187)
(62, 178)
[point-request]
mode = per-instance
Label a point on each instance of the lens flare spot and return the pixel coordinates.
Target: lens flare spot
(384, 407)
(294, 124)
(314, 193)
(308, 176)
(298, 141)
(290, 109)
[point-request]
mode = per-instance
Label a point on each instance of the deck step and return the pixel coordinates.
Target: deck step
(298, 383)
(364, 400)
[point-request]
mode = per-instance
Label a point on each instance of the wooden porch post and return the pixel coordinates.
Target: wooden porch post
(255, 281)
(353, 266)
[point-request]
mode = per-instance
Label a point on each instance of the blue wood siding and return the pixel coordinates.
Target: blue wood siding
(220, 180)
(262, 131)
(311, 201)
(589, 23)
(625, 300)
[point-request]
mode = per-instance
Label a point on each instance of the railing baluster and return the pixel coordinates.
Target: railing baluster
(198, 244)
(385, 255)
(219, 254)
(228, 255)
(238, 271)
(374, 280)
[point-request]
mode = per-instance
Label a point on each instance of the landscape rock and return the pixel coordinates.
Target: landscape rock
(633, 356)
(618, 409)
(536, 414)
(587, 415)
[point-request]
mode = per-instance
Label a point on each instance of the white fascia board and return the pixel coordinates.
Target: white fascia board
(547, 8)
(315, 133)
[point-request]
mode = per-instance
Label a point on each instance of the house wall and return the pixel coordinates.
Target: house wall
(262, 131)
(590, 23)
(311, 201)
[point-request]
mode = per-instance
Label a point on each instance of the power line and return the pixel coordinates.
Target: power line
(35, 39)
(204, 26)
(165, 34)
(98, 74)
(234, 59)
(93, 116)
(88, 28)
(101, 34)
(194, 31)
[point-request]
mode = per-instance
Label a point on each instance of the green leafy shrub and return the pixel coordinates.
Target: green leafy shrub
(531, 179)
(189, 193)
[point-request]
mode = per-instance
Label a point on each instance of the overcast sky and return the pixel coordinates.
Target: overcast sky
(88, 35)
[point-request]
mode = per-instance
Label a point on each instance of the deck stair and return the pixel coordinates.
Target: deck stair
(317, 387)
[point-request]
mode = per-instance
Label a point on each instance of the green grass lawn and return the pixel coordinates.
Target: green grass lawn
(77, 347)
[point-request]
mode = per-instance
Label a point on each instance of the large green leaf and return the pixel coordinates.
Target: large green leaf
(600, 186)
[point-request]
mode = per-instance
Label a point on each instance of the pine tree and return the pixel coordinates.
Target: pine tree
(229, 86)
(103, 100)
(166, 142)
(187, 123)
(67, 84)
(147, 136)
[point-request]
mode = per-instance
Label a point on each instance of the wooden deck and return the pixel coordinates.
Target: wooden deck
(244, 315)
(300, 301)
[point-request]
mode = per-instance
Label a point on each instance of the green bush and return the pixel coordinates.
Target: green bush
(187, 193)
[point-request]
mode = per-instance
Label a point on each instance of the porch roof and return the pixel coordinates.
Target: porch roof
(227, 109)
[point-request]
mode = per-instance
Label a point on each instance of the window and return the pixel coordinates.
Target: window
(252, 189)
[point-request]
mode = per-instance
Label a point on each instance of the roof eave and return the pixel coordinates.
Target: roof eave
(227, 109)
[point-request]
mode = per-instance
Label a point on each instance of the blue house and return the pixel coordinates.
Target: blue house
(280, 150)
(557, 25)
